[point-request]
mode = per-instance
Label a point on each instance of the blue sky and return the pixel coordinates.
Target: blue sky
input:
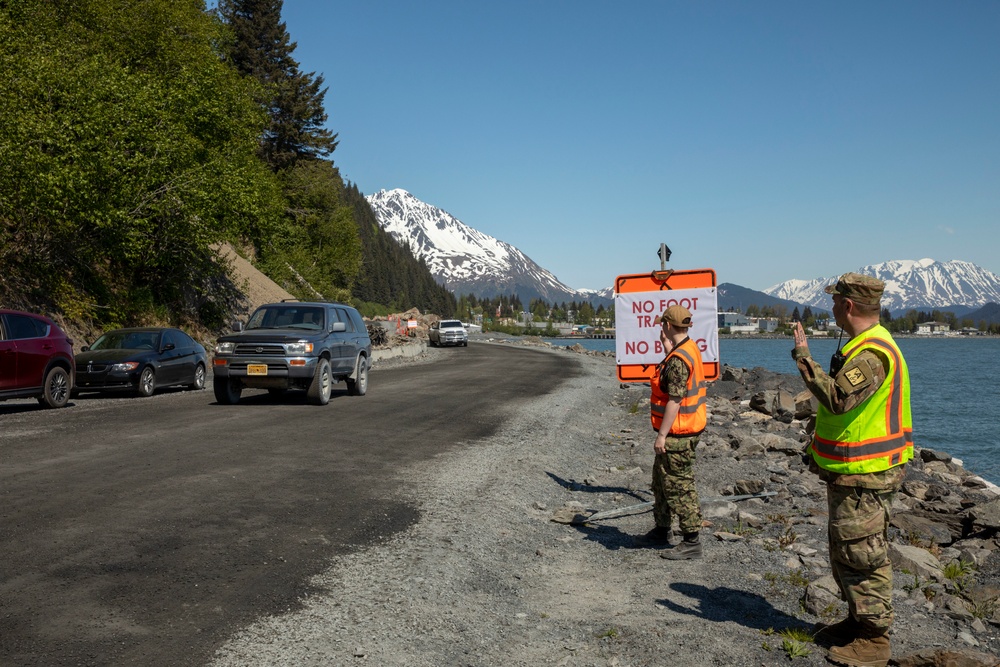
(767, 140)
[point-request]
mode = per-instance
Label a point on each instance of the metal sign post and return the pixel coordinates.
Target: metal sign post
(664, 253)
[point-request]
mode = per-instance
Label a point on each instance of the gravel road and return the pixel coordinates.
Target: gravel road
(485, 577)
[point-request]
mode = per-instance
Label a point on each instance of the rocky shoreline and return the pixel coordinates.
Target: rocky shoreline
(494, 573)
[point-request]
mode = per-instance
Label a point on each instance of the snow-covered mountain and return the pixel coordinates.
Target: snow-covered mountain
(465, 260)
(921, 284)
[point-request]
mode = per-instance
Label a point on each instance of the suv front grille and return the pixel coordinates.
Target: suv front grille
(260, 349)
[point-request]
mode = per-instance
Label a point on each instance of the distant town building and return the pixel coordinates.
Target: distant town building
(933, 328)
(830, 327)
(736, 322)
(766, 324)
(740, 323)
(732, 319)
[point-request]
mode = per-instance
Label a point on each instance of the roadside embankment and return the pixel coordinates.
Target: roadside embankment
(408, 350)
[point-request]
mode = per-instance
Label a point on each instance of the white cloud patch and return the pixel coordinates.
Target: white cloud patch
(950, 231)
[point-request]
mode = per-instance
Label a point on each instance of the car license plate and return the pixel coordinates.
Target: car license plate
(256, 369)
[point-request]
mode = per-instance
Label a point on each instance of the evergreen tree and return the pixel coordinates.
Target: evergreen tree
(261, 49)
(322, 247)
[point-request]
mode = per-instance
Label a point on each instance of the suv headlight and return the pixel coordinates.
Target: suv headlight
(225, 348)
(299, 348)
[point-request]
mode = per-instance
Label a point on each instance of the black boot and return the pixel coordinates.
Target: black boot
(657, 537)
(689, 549)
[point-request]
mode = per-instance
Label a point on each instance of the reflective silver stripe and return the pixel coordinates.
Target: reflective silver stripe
(895, 399)
(833, 450)
(691, 409)
(695, 387)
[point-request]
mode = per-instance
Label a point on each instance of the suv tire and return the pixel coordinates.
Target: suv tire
(358, 386)
(322, 384)
(56, 390)
(227, 392)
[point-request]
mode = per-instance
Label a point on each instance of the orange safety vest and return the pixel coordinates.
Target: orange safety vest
(693, 415)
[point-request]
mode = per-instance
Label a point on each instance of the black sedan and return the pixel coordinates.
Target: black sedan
(141, 360)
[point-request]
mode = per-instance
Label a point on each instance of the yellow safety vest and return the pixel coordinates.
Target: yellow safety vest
(878, 433)
(693, 415)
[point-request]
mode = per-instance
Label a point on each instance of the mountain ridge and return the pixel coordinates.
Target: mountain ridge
(467, 261)
(924, 284)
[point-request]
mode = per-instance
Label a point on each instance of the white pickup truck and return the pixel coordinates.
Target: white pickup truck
(448, 332)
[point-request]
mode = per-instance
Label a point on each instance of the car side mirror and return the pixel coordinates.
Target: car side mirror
(168, 347)
(238, 326)
(338, 327)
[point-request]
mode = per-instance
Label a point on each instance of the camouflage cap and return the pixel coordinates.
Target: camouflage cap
(858, 287)
(679, 316)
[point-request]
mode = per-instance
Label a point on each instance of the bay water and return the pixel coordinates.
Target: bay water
(955, 384)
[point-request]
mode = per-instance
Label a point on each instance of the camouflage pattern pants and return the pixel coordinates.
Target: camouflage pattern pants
(859, 553)
(673, 486)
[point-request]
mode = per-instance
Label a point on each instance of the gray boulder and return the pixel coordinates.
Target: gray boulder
(923, 529)
(821, 595)
(916, 561)
(946, 657)
(986, 515)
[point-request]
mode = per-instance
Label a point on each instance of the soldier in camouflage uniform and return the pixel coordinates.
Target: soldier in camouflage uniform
(678, 414)
(863, 436)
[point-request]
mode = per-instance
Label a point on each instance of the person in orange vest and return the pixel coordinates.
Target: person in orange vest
(678, 414)
(862, 439)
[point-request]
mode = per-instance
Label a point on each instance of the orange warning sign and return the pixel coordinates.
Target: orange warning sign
(641, 298)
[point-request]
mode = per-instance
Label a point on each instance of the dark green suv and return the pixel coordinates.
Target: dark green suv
(294, 345)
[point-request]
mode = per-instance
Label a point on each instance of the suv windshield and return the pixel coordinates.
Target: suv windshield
(287, 317)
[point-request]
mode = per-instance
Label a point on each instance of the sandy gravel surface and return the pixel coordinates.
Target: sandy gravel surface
(487, 578)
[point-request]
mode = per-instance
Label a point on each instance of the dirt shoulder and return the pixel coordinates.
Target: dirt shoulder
(486, 577)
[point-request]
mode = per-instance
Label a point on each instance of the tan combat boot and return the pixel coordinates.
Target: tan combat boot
(862, 652)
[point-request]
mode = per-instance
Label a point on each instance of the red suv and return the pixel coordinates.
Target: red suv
(36, 359)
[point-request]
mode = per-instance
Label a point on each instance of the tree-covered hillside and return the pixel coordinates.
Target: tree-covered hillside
(390, 275)
(136, 136)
